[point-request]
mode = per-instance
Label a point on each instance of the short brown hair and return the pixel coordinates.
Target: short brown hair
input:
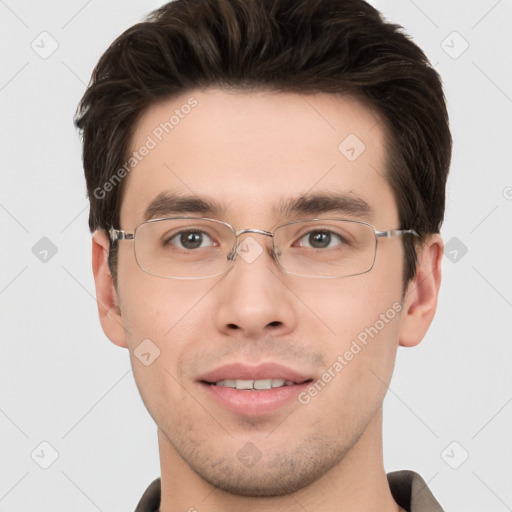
(330, 46)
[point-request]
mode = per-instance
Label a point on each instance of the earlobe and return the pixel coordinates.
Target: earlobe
(420, 301)
(106, 294)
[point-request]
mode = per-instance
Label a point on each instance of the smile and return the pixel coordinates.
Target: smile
(253, 384)
(254, 390)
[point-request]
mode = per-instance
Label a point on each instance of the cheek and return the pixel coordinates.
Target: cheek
(343, 308)
(154, 307)
(359, 365)
(163, 321)
(357, 325)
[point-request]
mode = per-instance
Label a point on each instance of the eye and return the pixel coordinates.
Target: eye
(191, 239)
(320, 239)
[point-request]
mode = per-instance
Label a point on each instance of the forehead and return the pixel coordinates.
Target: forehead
(250, 152)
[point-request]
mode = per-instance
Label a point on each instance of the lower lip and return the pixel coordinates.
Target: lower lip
(253, 403)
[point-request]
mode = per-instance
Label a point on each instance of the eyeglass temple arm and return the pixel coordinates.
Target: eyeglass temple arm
(396, 232)
(119, 234)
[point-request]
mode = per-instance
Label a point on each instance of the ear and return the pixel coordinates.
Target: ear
(106, 294)
(420, 301)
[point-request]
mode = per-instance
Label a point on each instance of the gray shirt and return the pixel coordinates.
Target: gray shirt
(407, 487)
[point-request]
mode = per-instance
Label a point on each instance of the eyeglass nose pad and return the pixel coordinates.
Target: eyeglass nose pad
(232, 254)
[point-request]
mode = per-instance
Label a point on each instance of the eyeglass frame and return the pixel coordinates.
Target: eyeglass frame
(117, 235)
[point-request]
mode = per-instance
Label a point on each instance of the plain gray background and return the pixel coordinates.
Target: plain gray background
(448, 412)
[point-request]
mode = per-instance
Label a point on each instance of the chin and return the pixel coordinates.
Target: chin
(277, 476)
(263, 483)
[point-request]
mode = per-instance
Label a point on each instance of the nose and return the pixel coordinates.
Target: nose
(253, 299)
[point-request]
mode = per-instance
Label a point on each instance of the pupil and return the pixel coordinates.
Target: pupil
(320, 239)
(191, 240)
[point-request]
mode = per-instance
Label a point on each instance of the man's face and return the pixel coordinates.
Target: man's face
(250, 153)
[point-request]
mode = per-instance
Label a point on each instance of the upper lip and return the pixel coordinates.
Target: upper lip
(245, 372)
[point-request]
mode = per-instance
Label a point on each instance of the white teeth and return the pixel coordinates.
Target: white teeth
(244, 384)
(263, 384)
(254, 384)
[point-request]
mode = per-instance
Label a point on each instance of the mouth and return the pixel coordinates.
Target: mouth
(253, 390)
(253, 385)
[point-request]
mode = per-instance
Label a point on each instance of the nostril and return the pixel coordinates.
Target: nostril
(233, 326)
(275, 324)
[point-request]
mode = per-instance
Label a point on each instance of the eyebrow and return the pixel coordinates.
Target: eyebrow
(165, 205)
(326, 203)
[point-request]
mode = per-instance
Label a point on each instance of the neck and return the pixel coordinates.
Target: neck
(358, 482)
